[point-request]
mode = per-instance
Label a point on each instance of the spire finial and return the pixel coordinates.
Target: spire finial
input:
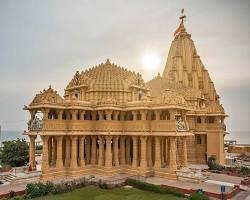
(183, 16)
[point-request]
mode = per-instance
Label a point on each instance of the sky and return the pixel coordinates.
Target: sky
(45, 42)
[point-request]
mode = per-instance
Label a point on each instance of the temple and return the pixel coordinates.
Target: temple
(110, 121)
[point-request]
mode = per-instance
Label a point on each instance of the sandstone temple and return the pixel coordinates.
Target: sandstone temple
(110, 121)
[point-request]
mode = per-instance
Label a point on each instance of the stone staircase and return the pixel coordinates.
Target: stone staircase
(8, 178)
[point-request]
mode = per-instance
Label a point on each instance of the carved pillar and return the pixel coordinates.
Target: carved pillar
(184, 152)
(82, 112)
(67, 153)
(93, 113)
(172, 114)
(60, 114)
(166, 149)
(74, 114)
(143, 114)
(122, 150)
(122, 116)
(157, 152)
(100, 114)
(149, 149)
(108, 155)
(116, 152)
(135, 152)
(81, 151)
(59, 158)
(172, 154)
(128, 157)
(157, 114)
(73, 161)
(100, 153)
(53, 151)
(134, 113)
(143, 163)
(108, 114)
(115, 114)
(45, 161)
(32, 149)
(45, 114)
(93, 150)
(87, 150)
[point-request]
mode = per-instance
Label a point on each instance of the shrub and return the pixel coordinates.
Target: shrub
(39, 189)
(211, 162)
(102, 184)
(151, 187)
(12, 194)
(198, 196)
(245, 171)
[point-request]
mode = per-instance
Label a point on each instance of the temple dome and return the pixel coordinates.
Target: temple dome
(106, 81)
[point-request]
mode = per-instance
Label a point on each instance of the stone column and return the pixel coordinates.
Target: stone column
(87, 150)
(32, 151)
(157, 152)
(93, 150)
(115, 114)
(184, 152)
(93, 114)
(116, 152)
(128, 157)
(59, 158)
(82, 112)
(149, 149)
(81, 151)
(172, 114)
(60, 114)
(134, 113)
(67, 153)
(74, 114)
(135, 152)
(100, 114)
(143, 114)
(73, 161)
(122, 150)
(108, 114)
(53, 151)
(108, 153)
(172, 154)
(157, 114)
(100, 153)
(143, 163)
(167, 148)
(45, 161)
(122, 116)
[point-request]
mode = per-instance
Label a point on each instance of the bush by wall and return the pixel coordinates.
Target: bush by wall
(151, 187)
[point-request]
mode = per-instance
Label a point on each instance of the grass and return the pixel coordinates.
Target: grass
(95, 193)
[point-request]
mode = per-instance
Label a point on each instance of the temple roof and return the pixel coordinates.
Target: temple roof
(106, 77)
(48, 96)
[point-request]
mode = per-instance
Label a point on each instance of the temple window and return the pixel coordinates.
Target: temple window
(211, 120)
(198, 139)
(199, 120)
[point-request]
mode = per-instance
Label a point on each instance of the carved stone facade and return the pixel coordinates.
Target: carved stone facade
(110, 121)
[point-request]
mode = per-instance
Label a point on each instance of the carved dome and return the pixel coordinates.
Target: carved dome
(107, 77)
(106, 81)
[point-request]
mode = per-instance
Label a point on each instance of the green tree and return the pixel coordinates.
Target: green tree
(15, 153)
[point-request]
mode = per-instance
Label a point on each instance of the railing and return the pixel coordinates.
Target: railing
(108, 125)
(207, 126)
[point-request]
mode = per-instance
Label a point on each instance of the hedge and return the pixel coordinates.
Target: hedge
(151, 187)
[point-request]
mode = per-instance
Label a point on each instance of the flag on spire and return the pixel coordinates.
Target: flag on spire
(177, 30)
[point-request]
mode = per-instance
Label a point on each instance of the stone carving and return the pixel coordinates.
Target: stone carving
(35, 125)
(180, 124)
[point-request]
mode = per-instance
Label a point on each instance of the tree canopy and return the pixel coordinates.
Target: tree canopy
(14, 153)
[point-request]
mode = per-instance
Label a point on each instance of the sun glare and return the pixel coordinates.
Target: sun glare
(150, 61)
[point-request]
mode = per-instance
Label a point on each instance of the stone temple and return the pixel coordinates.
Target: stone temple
(110, 121)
